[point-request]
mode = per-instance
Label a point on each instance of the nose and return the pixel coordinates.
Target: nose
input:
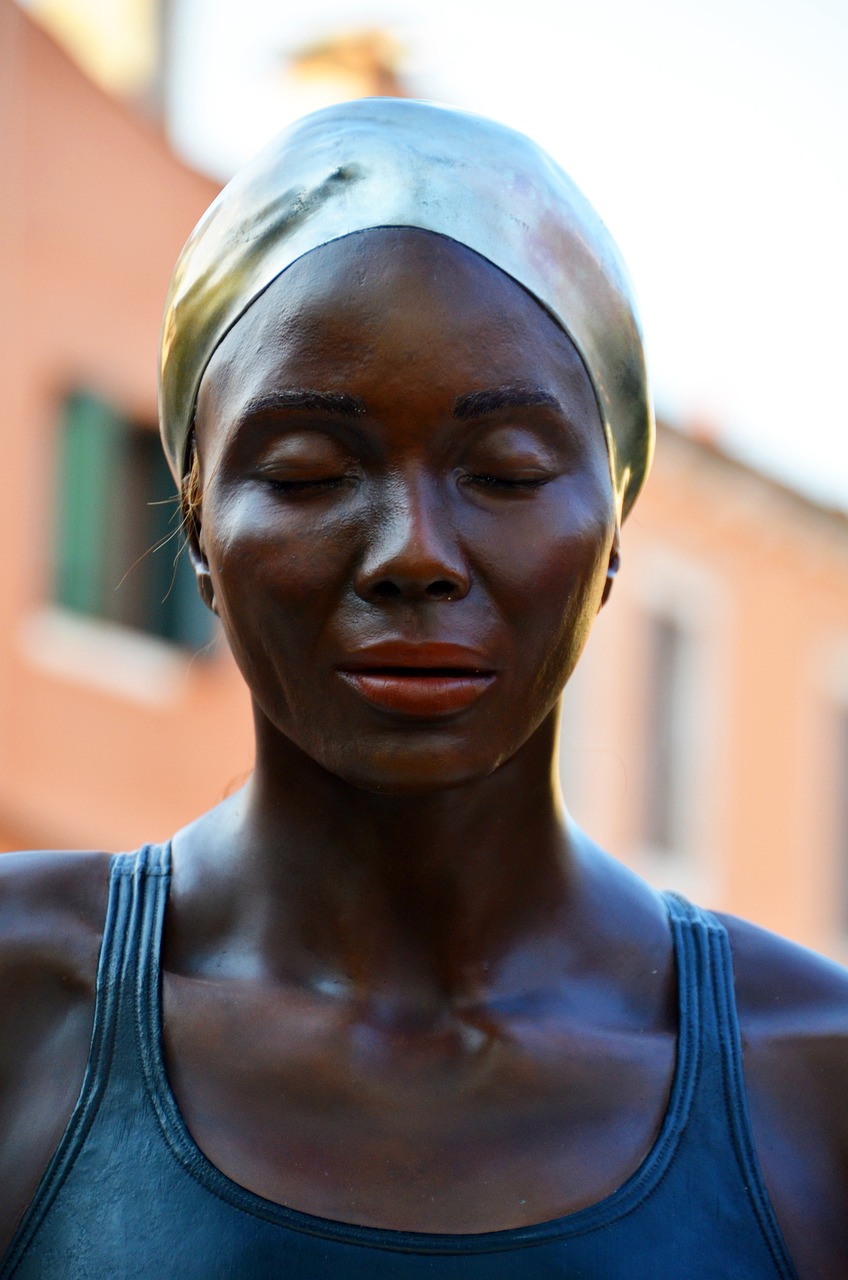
(413, 552)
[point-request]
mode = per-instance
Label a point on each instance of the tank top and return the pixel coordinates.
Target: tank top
(128, 1194)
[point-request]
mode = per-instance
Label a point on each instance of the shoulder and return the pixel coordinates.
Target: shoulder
(51, 882)
(793, 1015)
(793, 1018)
(52, 912)
(52, 909)
(784, 990)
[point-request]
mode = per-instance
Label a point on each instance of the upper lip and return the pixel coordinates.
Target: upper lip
(420, 656)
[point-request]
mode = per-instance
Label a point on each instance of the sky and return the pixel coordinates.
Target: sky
(711, 135)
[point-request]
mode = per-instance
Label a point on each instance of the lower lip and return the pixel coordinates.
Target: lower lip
(419, 695)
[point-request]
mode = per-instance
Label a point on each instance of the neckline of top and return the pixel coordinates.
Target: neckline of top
(154, 864)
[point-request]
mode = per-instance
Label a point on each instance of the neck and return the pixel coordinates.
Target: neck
(415, 900)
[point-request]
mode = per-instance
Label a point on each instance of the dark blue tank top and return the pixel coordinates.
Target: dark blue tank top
(128, 1194)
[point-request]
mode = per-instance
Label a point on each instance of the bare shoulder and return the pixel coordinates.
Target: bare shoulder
(793, 1017)
(784, 988)
(52, 911)
(52, 908)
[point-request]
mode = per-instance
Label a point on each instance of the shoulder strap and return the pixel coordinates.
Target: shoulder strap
(133, 989)
(720, 1076)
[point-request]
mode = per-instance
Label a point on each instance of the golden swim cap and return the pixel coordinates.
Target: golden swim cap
(388, 162)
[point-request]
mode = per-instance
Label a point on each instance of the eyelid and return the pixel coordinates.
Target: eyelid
(517, 448)
(307, 481)
(308, 486)
(539, 435)
(305, 467)
(516, 484)
(526, 469)
(274, 443)
(296, 445)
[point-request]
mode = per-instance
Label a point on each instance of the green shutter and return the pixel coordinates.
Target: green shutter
(118, 528)
(89, 448)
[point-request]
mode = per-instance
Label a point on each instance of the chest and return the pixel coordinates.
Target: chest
(462, 1123)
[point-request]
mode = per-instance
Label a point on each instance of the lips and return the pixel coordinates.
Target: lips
(423, 680)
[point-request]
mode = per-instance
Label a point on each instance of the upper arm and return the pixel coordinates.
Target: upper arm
(52, 908)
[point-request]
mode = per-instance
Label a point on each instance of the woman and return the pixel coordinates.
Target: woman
(395, 1015)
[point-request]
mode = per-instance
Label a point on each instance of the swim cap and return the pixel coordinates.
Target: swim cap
(390, 162)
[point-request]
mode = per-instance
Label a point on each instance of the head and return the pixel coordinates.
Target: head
(398, 450)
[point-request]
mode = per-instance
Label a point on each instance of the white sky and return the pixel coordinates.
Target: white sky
(712, 136)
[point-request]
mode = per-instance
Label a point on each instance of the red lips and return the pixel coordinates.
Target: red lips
(424, 680)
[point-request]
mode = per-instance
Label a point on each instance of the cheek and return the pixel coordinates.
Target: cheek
(277, 575)
(553, 597)
(297, 545)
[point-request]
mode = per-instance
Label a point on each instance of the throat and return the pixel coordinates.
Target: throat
(417, 915)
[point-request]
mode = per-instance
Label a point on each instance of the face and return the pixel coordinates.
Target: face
(407, 523)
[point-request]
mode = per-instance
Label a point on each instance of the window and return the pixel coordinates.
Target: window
(669, 731)
(118, 548)
(842, 812)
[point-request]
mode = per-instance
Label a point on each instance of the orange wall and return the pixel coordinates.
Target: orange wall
(765, 575)
(92, 220)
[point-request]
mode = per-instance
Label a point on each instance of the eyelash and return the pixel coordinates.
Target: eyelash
(303, 486)
(499, 482)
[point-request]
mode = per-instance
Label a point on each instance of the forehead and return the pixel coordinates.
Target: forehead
(393, 312)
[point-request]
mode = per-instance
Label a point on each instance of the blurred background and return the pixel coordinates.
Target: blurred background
(705, 733)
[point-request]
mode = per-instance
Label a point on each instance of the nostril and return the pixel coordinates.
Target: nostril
(394, 589)
(387, 590)
(441, 589)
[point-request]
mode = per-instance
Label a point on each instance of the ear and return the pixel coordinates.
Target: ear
(614, 564)
(200, 564)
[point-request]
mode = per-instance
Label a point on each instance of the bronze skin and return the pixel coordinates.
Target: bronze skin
(394, 972)
(375, 474)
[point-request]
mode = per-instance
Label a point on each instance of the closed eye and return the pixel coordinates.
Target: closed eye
(308, 486)
(508, 482)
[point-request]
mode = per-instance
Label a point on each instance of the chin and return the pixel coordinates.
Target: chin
(413, 775)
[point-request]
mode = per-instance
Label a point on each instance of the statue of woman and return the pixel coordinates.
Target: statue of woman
(386, 1012)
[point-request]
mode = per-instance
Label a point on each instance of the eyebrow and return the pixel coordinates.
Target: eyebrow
(337, 402)
(476, 404)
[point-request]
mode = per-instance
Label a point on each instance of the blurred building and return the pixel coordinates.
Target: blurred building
(111, 709)
(705, 733)
(363, 62)
(118, 43)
